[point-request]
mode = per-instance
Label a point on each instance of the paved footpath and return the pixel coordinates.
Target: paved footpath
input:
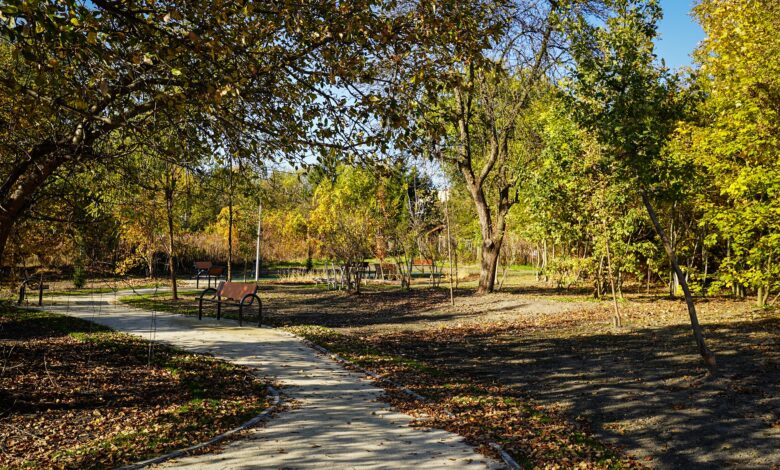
(339, 421)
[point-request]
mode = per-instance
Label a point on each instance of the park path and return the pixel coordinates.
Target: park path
(336, 421)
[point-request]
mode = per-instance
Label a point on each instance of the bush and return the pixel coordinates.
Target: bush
(79, 277)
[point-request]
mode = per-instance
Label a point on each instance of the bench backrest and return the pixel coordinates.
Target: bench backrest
(235, 290)
(216, 271)
(203, 265)
(422, 262)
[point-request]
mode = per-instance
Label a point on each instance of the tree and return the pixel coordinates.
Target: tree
(631, 106)
(85, 81)
(736, 140)
(344, 218)
(468, 97)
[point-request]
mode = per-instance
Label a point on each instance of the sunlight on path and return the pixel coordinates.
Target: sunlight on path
(339, 421)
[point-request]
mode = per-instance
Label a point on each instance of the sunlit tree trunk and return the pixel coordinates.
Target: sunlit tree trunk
(230, 238)
(170, 187)
(706, 354)
(616, 320)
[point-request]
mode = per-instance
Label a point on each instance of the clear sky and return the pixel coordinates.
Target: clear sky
(679, 32)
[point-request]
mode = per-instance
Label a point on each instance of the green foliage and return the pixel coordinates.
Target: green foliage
(619, 93)
(195, 108)
(79, 276)
(345, 215)
(736, 142)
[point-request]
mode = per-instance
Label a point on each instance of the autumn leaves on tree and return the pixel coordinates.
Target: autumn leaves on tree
(552, 122)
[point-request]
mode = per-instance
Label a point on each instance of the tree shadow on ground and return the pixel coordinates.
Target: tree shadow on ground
(644, 389)
(371, 307)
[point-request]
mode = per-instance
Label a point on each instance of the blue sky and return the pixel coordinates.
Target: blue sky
(679, 32)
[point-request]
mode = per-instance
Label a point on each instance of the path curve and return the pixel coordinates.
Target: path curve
(339, 420)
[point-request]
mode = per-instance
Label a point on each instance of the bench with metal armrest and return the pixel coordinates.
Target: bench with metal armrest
(235, 294)
(32, 283)
(212, 272)
(201, 268)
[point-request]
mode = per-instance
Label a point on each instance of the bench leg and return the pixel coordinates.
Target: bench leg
(240, 314)
(200, 309)
(219, 310)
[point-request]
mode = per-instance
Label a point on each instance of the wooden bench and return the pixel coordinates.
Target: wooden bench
(40, 287)
(212, 272)
(434, 274)
(201, 268)
(236, 294)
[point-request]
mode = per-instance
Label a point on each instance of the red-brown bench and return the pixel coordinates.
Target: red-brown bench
(235, 294)
(204, 269)
(201, 268)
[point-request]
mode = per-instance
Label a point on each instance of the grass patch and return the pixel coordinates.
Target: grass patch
(80, 395)
(162, 302)
(187, 304)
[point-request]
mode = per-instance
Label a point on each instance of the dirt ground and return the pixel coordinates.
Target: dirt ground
(642, 387)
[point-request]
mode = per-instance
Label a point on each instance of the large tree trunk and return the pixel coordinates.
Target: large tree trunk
(617, 322)
(230, 240)
(706, 354)
(492, 230)
(6, 225)
(23, 181)
(488, 264)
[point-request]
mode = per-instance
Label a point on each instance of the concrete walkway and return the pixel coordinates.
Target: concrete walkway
(337, 420)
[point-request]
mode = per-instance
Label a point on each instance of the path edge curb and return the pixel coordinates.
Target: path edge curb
(221, 437)
(508, 460)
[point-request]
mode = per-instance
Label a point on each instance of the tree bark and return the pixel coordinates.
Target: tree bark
(706, 354)
(492, 230)
(229, 275)
(487, 273)
(18, 191)
(171, 261)
(617, 322)
(230, 238)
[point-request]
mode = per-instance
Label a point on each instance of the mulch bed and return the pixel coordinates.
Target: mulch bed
(77, 395)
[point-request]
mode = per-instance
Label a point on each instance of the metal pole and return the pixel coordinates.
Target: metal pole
(257, 248)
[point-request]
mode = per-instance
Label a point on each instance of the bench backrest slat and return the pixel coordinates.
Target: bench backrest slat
(204, 265)
(235, 290)
(216, 271)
